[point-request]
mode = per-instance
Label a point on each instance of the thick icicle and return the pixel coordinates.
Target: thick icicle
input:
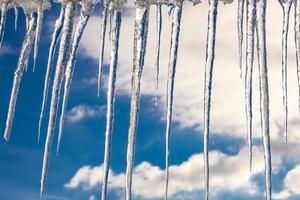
(3, 20)
(22, 63)
(251, 8)
(176, 20)
(264, 89)
(240, 20)
(58, 78)
(111, 98)
(297, 43)
(102, 42)
(55, 36)
(158, 40)
(140, 40)
(286, 7)
(70, 71)
(16, 17)
(210, 54)
(40, 16)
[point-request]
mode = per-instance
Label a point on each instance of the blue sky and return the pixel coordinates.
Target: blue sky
(76, 173)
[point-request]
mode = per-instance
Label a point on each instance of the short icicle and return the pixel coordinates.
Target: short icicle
(58, 78)
(55, 37)
(16, 11)
(4, 8)
(286, 7)
(102, 42)
(158, 41)
(251, 9)
(297, 44)
(111, 98)
(210, 54)
(176, 21)
(240, 20)
(21, 66)
(264, 89)
(40, 16)
(140, 40)
(83, 19)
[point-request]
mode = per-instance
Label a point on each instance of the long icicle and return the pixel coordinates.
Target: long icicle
(111, 98)
(55, 37)
(240, 20)
(251, 8)
(40, 16)
(176, 21)
(58, 78)
(264, 88)
(286, 7)
(102, 42)
(297, 44)
(210, 55)
(140, 41)
(158, 41)
(22, 63)
(70, 71)
(3, 20)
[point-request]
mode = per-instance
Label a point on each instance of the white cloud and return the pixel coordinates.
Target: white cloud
(228, 173)
(84, 111)
(291, 184)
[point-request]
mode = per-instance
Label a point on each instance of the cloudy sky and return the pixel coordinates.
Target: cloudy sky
(77, 172)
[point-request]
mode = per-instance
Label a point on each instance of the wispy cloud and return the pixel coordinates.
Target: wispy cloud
(84, 111)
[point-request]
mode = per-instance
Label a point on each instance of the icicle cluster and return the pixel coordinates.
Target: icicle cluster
(67, 35)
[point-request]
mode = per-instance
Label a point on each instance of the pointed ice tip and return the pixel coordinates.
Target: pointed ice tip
(6, 137)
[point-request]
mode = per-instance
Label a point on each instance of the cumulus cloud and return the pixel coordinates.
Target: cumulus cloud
(83, 111)
(291, 184)
(228, 173)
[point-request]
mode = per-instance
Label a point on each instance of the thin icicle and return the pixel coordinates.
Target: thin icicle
(22, 63)
(264, 89)
(210, 54)
(158, 30)
(251, 8)
(3, 20)
(111, 98)
(286, 7)
(40, 16)
(240, 20)
(70, 71)
(139, 51)
(176, 20)
(297, 43)
(16, 17)
(58, 78)
(55, 36)
(102, 42)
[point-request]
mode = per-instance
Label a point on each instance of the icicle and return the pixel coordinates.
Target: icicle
(102, 42)
(297, 43)
(58, 78)
(3, 20)
(70, 70)
(158, 29)
(140, 40)
(171, 80)
(251, 7)
(210, 54)
(22, 63)
(16, 17)
(264, 88)
(240, 20)
(111, 98)
(286, 7)
(55, 36)
(40, 16)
